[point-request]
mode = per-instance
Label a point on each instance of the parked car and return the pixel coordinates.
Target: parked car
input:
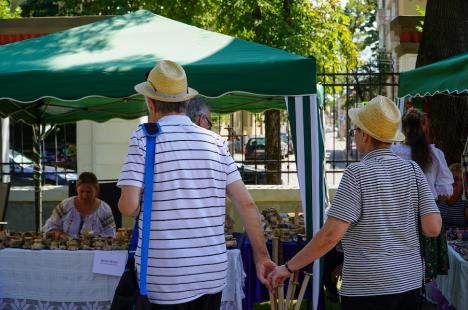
(21, 168)
(289, 143)
(255, 149)
(252, 175)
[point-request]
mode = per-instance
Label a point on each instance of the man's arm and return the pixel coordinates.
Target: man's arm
(129, 202)
(250, 217)
(431, 224)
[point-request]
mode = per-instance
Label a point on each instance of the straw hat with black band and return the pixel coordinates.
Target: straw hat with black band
(166, 82)
(379, 118)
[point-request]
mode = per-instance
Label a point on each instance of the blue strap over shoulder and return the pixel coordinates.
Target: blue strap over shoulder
(151, 131)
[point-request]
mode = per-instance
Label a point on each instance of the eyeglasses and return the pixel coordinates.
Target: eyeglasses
(210, 124)
(207, 119)
(352, 132)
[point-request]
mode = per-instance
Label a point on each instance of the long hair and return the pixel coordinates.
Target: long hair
(413, 129)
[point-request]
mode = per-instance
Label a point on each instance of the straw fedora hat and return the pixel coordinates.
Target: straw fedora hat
(166, 82)
(379, 118)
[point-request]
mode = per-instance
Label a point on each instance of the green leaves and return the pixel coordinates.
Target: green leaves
(320, 28)
(5, 10)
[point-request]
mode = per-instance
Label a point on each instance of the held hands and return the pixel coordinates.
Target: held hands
(264, 268)
(277, 276)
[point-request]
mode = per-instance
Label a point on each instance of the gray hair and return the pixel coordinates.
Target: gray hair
(196, 107)
(170, 107)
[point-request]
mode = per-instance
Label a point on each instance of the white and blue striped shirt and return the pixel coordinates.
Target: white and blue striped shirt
(379, 198)
(187, 252)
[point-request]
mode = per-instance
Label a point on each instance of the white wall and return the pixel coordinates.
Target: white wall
(102, 147)
(407, 62)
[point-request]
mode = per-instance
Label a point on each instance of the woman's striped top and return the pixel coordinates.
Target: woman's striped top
(379, 198)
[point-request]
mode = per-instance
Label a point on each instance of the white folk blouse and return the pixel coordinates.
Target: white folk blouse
(65, 217)
(438, 175)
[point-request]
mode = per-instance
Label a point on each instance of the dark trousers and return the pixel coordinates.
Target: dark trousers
(403, 301)
(205, 302)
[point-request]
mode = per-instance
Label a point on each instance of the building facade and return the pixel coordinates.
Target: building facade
(397, 22)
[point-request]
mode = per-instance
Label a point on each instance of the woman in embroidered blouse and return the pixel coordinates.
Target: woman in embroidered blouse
(82, 213)
(427, 156)
(440, 180)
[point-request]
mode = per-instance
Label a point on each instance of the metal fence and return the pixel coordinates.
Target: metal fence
(343, 91)
(58, 155)
(245, 135)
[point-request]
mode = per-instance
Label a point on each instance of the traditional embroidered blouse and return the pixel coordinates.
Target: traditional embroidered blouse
(438, 175)
(65, 217)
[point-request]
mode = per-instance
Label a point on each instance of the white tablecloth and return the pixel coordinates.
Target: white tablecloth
(64, 280)
(454, 286)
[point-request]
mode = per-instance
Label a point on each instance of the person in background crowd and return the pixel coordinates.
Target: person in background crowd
(427, 156)
(432, 161)
(82, 213)
(199, 113)
(194, 172)
(375, 214)
(454, 211)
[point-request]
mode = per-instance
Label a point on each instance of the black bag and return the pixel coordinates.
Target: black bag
(127, 294)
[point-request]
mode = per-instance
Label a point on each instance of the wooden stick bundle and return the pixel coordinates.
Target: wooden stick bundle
(302, 291)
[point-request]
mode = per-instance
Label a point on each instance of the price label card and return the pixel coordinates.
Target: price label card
(109, 262)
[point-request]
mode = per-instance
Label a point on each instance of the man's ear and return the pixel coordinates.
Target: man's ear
(365, 136)
(149, 104)
(198, 120)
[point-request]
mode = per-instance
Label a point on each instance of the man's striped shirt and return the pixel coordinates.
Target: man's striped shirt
(187, 252)
(379, 198)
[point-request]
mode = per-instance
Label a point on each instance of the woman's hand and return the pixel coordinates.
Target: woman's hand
(277, 276)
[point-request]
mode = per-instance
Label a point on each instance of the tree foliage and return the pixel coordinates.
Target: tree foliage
(5, 11)
(319, 28)
(362, 25)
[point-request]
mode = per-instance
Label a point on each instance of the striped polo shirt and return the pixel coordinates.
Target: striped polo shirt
(379, 198)
(187, 252)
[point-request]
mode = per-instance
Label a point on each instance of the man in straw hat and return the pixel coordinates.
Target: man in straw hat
(375, 214)
(194, 172)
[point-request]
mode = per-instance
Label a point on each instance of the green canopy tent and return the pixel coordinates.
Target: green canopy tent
(448, 76)
(88, 73)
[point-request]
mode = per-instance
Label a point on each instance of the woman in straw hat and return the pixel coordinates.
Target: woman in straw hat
(375, 215)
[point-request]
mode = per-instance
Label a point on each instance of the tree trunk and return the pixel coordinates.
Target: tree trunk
(445, 35)
(273, 146)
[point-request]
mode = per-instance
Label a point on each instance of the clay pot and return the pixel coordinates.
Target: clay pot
(37, 245)
(73, 245)
(27, 242)
(15, 242)
(54, 245)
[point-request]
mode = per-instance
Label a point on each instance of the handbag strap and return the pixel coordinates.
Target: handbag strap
(151, 130)
(134, 241)
(420, 235)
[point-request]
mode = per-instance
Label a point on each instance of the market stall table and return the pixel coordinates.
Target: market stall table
(59, 279)
(454, 286)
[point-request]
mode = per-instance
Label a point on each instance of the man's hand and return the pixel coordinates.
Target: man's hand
(265, 267)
